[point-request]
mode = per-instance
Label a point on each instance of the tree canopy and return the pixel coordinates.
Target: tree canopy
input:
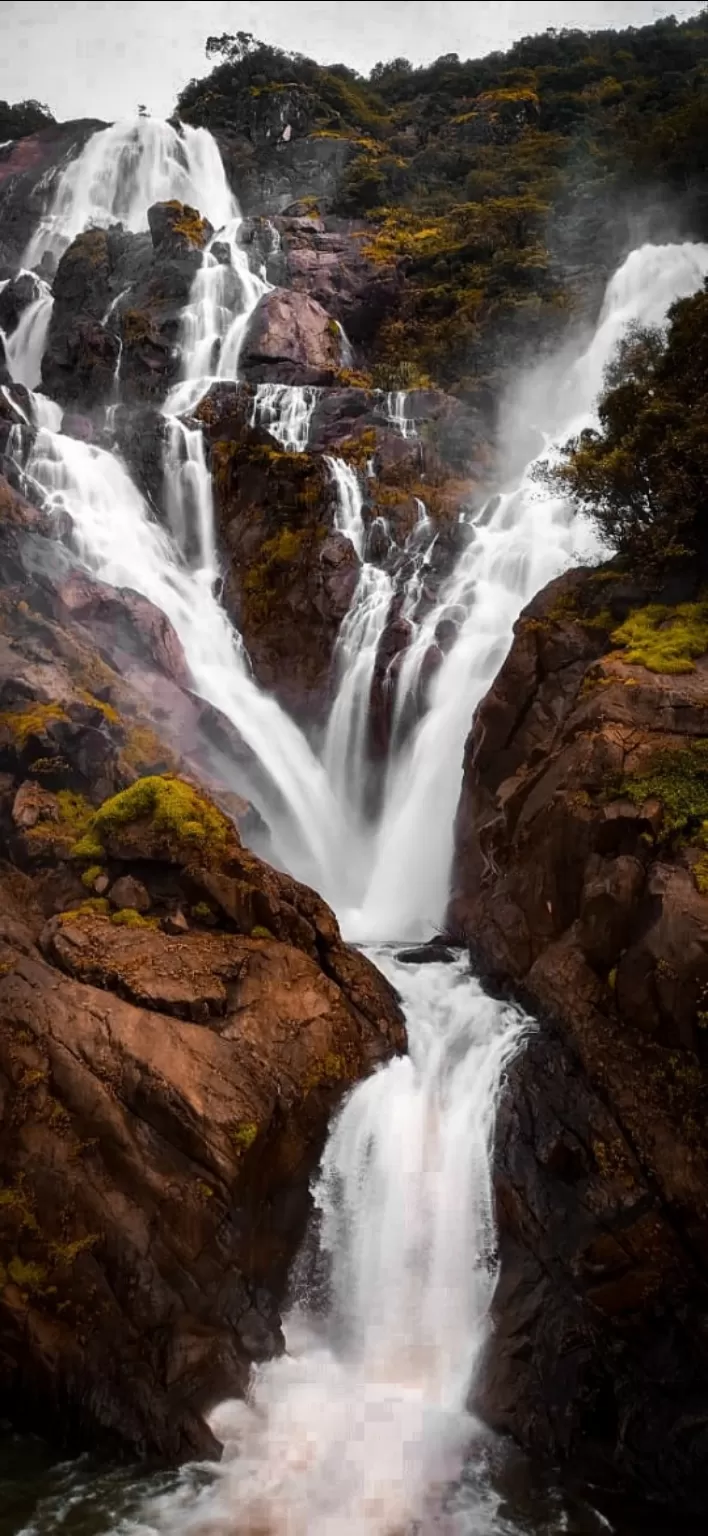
(21, 118)
(642, 475)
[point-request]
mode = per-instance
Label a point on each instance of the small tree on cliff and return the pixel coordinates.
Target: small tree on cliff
(643, 476)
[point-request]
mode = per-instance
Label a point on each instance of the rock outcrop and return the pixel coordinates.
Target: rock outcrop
(290, 339)
(177, 1022)
(118, 299)
(580, 884)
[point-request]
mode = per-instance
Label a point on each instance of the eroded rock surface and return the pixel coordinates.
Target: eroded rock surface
(579, 882)
(177, 1022)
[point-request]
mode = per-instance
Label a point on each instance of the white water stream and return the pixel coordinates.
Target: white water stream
(24, 348)
(358, 1429)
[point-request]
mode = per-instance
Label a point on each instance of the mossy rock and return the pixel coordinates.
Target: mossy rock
(665, 639)
(678, 779)
(159, 817)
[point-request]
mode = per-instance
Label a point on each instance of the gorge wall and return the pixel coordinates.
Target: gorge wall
(579, 882)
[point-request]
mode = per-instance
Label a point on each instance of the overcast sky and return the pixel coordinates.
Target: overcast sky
(100, 60)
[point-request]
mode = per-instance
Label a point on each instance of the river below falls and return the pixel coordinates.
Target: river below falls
(500, 1493)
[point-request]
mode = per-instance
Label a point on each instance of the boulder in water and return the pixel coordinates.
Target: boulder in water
(435, 952)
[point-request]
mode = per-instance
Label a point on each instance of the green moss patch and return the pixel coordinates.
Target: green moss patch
(679, 780)
(129, 917)
(665, 639)
(173, 808)
(33, 721)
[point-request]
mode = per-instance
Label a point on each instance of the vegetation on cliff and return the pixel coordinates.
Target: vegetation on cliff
(642, 475)
(21, 118)
(486, 180)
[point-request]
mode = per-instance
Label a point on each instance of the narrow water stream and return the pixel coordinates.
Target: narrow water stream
(362, 1427)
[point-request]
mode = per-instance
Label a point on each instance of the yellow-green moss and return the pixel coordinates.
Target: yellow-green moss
(32, 721)
(202, 911)
(679, 780)
(665, 639)
(66, 1253)
(91, 875)
(700, 873)
(96, 906)
(74, 812)
(190, 224)
(173, 808)
(259, 932)
(109, 713)
(144, 752)
(244, 1134)
(129, 917)
(29, 1276)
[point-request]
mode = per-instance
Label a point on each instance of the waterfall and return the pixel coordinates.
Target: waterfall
(122, 171)
(516, 547)
(285, 410)
(357, 1429)
(348, 517)
(24, 349)
(345, 752)
(223, 296)
(396, 413)
(346, 352)
(118, 540)
(188, 497)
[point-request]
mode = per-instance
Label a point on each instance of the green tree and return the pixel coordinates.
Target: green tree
(642, 475)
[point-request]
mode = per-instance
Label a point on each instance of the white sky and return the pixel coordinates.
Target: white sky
(101, 59)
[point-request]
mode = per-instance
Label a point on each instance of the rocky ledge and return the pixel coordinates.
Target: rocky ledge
(177, 1023)
(581, 882)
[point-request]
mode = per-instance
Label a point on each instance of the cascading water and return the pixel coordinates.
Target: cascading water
(359, 1427)
(396, 412)
(24, 348)
(117, 538)
(346, 741)
(122, 171)
(516, 546)
(224, 294)
(285, 410)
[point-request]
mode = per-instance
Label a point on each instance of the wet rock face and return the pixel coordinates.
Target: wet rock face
(323, 258)
(576, 886)
(271, 176)
(118, 299)
(290, 339)
(290, 575)
(28, 170)
(177, 1022)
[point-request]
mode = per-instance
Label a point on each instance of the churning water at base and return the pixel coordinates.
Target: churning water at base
(361, 1426)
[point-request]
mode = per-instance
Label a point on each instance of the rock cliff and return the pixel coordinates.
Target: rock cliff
(580, 884)
(177, 1022)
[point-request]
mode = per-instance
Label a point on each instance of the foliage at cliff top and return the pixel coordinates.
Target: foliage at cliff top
(488, 181)
(21, 118)
(642, 476)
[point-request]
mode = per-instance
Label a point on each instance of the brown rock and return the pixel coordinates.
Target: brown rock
(33, 804)
(129, 892)
(578, 898)
(290, 339)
